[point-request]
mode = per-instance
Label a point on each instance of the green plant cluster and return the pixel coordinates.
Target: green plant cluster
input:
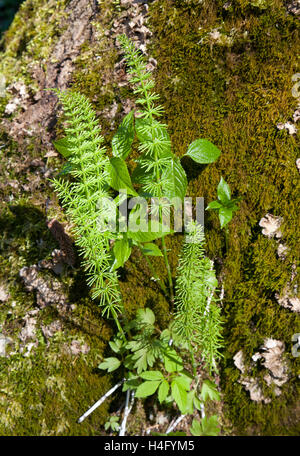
(40, 390)
(84, 185)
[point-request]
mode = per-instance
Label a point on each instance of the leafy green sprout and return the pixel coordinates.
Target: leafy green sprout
(170, 379)
(225, 206)
(113, 424)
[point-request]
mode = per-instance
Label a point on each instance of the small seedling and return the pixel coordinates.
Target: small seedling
(112, 423)
(225, 206)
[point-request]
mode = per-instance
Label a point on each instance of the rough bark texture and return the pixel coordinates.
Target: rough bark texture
(224, 71)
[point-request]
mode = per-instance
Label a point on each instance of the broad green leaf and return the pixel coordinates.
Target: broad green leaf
(152, 375)
(151, 249)
(146, 316)
(214, 205)
(112, 423)
(207, 427)
(110, 364)
(122, 251)
(184, 381)
(116, 345)
(172, 361)
(143, 359)
(209, 391)
(119, 177)
(203, 151)
(174, 180)
(223, 191)
(179, 395)
(148, 233)
(196, 428)
(197, 403)
(122, 141)
(190, 402)
(147, 389)
(225, 215)
(63, 147)
(232, 204)
(163, 391)
(165, 335)
(210, 425)
(145, 236)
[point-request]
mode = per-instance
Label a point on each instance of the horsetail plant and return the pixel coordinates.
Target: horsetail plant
(158, 170)
(80, 197)
(155, 144)
(197, 317)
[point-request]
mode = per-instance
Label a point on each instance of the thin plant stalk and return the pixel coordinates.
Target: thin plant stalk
(115, 317)
(168, 269)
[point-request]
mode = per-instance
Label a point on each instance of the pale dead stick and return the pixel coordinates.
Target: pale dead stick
(101, 400)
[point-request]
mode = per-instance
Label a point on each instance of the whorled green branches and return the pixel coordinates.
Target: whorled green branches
(155, 144)
(81, 194)
(197, 315)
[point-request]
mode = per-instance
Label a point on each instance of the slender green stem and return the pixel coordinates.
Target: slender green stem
(193, 360)
(118, 325)
(160, 214)
(168, 269)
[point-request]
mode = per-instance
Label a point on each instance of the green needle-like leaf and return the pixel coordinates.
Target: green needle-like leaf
(122, 141)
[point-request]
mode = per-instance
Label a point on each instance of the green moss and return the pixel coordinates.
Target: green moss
(235, 96)
(29, 40)
(46, 392)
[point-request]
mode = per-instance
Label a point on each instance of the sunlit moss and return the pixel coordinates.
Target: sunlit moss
(235, 96)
